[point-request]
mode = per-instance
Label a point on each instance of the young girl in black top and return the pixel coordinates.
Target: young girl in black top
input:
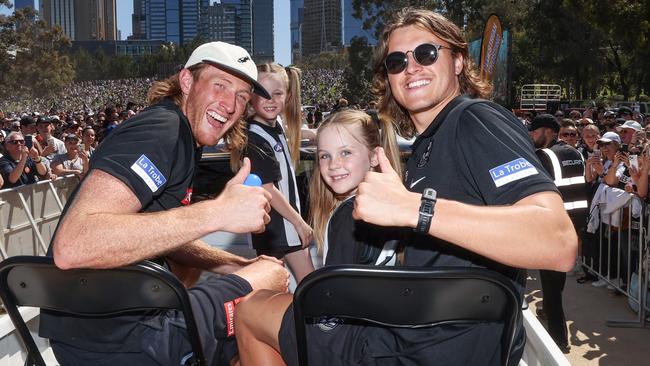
(273, 154)
(348, 143)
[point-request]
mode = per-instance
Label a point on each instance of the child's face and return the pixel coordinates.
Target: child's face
(267, 110)
(343, 160)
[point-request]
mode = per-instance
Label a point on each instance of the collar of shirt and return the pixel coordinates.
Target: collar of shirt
(437, 122)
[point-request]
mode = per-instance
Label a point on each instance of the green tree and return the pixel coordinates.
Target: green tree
(31, 60)
(358, 73)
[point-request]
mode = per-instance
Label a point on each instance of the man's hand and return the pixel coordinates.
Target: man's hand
(383, 192)
(265, 274)
(33, 153)
(49, 150)
(243, 209)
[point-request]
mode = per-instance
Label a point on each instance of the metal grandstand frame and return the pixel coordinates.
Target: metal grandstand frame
(535, 97)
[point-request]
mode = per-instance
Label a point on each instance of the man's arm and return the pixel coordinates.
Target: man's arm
(198, 254)
(535, 232)
(103, 228)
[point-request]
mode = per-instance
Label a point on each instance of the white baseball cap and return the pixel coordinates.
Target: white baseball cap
(231, 58)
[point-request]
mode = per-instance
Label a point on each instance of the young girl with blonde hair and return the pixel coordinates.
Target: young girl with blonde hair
(274, 154)
(350, 144)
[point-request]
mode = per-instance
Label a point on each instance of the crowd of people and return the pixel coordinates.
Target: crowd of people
(47, 146)
(472, 165)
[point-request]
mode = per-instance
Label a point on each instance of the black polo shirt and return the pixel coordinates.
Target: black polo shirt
(483, 158)
(154, 154)
(480, 156)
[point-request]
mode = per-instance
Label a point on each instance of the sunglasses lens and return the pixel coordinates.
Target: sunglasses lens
(425, 54)
(395, 62)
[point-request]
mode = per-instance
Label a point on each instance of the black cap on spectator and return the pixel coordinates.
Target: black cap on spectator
(44, 120)
(544, 120)
(624, 110)
(26, 121)
(620, 121)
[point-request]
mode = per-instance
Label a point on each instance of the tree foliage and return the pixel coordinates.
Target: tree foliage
(31, 61)
(591, 48)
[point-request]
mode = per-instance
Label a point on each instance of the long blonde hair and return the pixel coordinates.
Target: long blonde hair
(469, 79)
(235, 138)
(292, 115)
(322, 200)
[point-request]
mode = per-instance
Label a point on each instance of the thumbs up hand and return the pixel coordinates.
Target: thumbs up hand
(383, 200)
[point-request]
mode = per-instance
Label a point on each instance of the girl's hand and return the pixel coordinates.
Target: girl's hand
(306, 234)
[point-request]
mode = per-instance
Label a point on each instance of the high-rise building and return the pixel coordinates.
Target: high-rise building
(263, 31)
(219, 23)
(138, 26)
(295, 25)
(353, 27)
(324, 25)
(82, 20)
(61, 13)
(167, 20)
(22, 4)
(229, 21)
(321, 28)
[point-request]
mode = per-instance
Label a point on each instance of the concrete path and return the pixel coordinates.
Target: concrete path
(587, 309)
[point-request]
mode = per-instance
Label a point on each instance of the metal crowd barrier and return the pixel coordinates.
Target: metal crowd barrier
(621, 249)
(29, 215)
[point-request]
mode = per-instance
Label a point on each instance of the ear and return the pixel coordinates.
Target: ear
(374, 161)
(458, 64)
(186, 79)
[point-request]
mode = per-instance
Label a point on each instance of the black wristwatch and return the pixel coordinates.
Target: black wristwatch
(429, 198)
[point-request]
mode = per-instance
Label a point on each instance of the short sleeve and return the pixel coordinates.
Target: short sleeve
(263, 162)
(5, 170)
(342, 244)
(497, 157)
(141, 152)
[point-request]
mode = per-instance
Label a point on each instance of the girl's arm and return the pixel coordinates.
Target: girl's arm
(280, 204)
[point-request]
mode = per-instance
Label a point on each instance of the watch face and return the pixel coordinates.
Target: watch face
(429, 193)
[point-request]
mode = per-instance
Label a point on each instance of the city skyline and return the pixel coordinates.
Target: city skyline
(282, 41)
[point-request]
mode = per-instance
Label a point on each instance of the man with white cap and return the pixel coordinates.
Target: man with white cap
(133, 205)
(628, 131)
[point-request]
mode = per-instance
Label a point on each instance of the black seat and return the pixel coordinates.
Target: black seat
(36, 281)
(425, 297)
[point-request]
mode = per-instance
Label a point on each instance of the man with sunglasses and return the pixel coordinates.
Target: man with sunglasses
(21, 165)
(470, 154)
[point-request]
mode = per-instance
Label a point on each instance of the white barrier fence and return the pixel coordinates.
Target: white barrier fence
(29, 215)
(616, 248)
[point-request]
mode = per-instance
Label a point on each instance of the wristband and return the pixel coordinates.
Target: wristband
(427, 209)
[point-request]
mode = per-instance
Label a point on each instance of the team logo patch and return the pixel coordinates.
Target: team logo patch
(278, 147)
(328, 324)
(149, 173)
(512, 171)
(425, 157)
(241, 60)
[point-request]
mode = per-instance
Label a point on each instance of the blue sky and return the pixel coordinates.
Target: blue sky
(281, 16)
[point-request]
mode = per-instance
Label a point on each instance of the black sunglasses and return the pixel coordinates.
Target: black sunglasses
(568, 134)
(16, 142)
(425, 54)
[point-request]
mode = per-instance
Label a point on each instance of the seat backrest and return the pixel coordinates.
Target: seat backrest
(425, 297)
(36, 281)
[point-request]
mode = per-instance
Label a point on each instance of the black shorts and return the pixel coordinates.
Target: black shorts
(278, 252)
(356, 344)
(163, 339)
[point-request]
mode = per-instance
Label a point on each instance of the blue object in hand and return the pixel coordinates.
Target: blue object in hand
(253, 181)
